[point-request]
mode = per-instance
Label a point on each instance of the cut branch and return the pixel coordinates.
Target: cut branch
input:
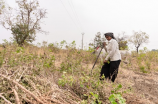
(16, 97)
(23, 88)
(27, 100)
(7, 101)
(55, 101)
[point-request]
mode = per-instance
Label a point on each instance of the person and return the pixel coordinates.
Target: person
(113, 58)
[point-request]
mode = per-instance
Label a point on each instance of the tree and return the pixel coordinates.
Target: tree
(139, 38)
(2, 6)
(26, 23)
(122, 41)
(97, 40)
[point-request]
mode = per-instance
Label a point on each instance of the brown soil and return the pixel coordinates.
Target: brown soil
(144, 86)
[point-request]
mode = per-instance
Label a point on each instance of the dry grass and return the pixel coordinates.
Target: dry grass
(52, 75)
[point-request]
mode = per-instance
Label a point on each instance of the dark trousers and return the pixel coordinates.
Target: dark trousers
(110, 70)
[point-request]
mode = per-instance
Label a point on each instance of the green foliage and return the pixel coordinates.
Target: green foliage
(62, 80)
(117, 89)
(66, 80)
(116, 96)
(148, 64)
(62, 43)
(1, 60)
(21, 34)
(122, 41)
(141, 56)
(49, 62)
(26, 23)
(2, 6)
(54, 47)
(98, 40)
(142, 68)
(19, 49)
(90, 49)
(145, 61)
(95, 98)
(72, 45)
(146, 57)
(123, 45)
(2, 56)
(108, 62)
(84, 102)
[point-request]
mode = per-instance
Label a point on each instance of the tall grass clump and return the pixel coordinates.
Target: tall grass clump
(145, 61)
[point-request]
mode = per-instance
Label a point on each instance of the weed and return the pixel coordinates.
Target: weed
(116, 96)
(142, 68)
(66, 80)
(148, 64)
(94, 97)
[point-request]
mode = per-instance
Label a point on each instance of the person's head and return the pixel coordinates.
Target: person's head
(109, 36)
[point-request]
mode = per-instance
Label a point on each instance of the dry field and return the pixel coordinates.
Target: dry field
(50, 75)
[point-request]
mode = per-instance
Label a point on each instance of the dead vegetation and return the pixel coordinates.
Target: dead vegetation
(47, 75)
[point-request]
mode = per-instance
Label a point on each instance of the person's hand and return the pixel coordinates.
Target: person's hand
(105, 61)
(104, 44)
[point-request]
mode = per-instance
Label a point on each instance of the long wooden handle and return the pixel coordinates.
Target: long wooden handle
(96, 60)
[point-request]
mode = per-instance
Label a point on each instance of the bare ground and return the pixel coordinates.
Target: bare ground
(144, 86)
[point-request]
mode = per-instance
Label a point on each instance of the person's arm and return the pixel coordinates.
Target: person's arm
(105, 48)
(113, 46)
(104, 45)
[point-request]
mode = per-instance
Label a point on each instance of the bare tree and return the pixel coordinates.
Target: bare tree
(26, 23)
(139, 38)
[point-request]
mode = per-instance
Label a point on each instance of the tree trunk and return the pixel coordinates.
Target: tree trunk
(137, 49)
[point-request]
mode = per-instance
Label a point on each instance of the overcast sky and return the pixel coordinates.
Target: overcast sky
(67, 19)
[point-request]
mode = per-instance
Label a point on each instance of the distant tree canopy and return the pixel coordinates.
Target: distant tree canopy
(139, 38)
(26, 22)
(98, 40)
(122, 41)
(21, 34)
(2, 6)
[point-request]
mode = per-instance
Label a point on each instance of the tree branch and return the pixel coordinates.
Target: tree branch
(23, 88)
(7, 101)
(16, 96)
(28, 100)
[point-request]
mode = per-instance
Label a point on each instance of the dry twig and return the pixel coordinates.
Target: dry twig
(27, 100)
(23, 88)
(16, 96)
(7, 101)
(53, 100)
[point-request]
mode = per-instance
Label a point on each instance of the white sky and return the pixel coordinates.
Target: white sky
(92, 16)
